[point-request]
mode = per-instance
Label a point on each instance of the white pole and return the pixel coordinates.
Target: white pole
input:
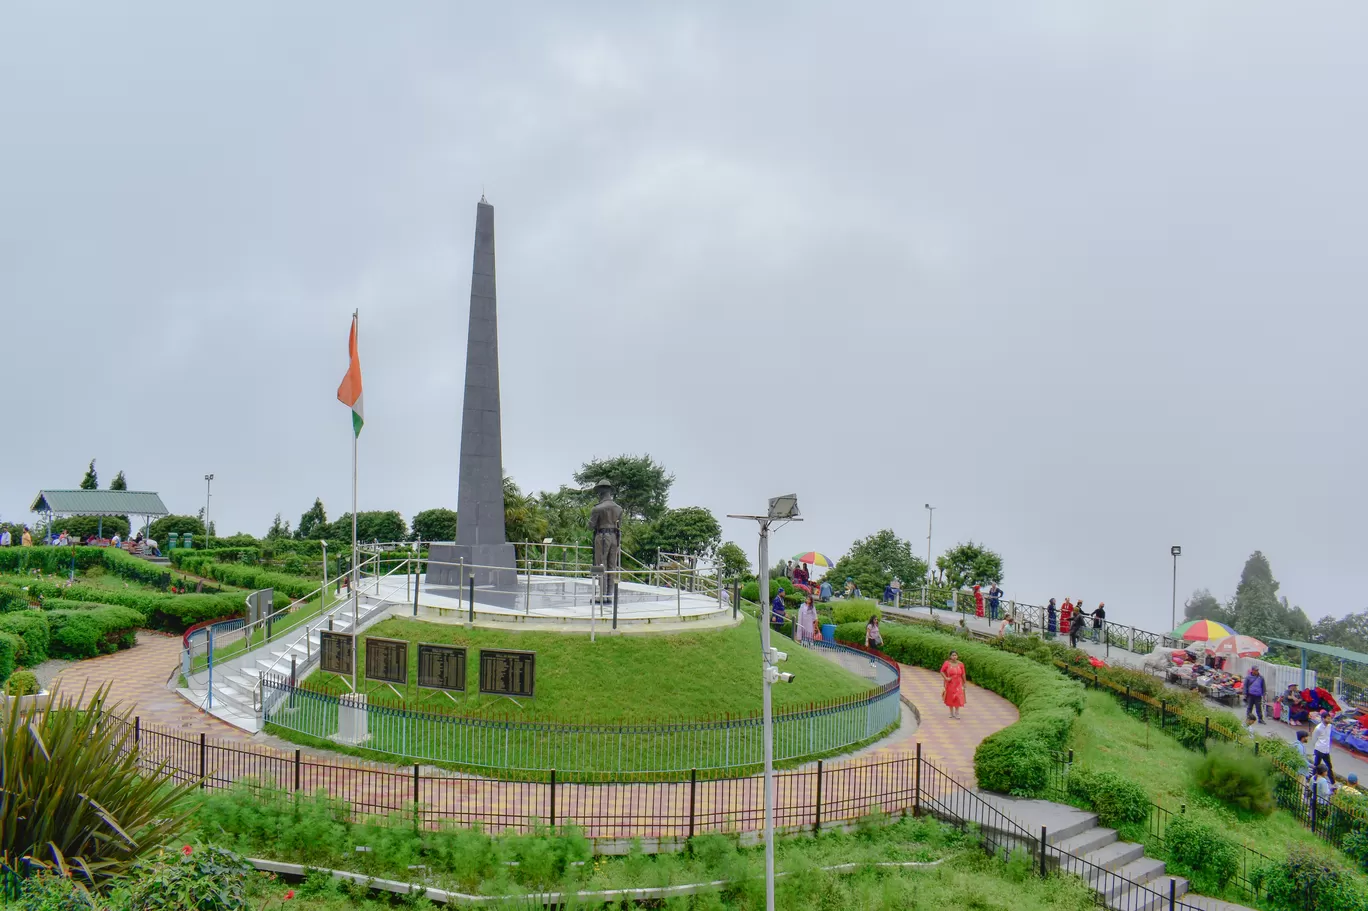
(355, 573)
(768, 714)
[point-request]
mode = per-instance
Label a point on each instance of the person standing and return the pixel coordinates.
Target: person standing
(1254, 693)
(826, 591)
(1050, 616)
(1320, 744)
(952, 675)
(873, 638)
(897, 591)
(804, 632)
(1008, 627)
(1098, 616)
(5, 538)
(994, 601)
(1073, 625)
(1303, 750)
(778, 614)
(978, 601)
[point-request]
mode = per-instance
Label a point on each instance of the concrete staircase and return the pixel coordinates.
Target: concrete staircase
(235, 679)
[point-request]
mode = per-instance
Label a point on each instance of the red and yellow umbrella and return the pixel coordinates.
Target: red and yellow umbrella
(1201, 631)
(813, 558)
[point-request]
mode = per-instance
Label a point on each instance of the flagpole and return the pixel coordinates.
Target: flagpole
(356, 589)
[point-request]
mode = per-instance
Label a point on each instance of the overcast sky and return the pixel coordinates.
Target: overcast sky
(1085, 276)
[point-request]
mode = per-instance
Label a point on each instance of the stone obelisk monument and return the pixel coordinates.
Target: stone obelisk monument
(480, 540)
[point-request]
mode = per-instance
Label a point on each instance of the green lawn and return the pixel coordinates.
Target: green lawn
(1105, 738)
(629, 678)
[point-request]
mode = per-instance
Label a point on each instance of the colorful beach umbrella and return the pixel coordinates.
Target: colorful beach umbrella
(1240, 646)
(1201, 631)
(813, 558)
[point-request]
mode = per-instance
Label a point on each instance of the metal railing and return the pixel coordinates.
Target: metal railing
(664, 746)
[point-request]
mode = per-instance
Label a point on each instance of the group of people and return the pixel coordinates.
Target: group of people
(1070, 618)
(8, 540)
(1320, 774)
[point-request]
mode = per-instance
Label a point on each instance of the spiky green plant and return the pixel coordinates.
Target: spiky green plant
(72, 796)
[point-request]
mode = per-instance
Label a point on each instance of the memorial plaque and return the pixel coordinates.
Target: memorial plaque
(335, 652)
(442, 667)
(507, 672)
(387, 660)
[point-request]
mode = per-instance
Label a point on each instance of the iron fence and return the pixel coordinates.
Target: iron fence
(516, 745)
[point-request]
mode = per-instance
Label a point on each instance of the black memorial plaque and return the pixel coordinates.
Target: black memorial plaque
(387, 660)
(507, 672)
(335, 652)
(442, 667)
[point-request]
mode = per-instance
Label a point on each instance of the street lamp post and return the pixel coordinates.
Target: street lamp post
(930, 514)
(208, 480)
(781, 509)
(1173, 609)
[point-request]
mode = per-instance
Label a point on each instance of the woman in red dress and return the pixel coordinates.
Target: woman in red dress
(952, 673)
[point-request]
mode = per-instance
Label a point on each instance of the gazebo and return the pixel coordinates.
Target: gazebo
(54, 503)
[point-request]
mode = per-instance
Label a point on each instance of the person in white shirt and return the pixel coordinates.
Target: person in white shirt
(5, 538)
(1320, 744)
(115, 542)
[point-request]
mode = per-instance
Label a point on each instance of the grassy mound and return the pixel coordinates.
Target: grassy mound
(631, 678)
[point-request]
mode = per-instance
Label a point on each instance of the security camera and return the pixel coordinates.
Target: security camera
(772, 675)
(775, 656)
(786, 678)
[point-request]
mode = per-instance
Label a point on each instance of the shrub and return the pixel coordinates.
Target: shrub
(1236, 777)
(9, 650)
(53, 892)
(160, 530)
(1117, 800)
(50, 559)
(31, 628)
(858, 610)
(70, 785)
(192, 879)
(1015, 760)
(253, 577)
(751, 592)
(1201, 852)
(1306, 881)
(175, 613)
(13, 598)
(21, 683)
(87, 630)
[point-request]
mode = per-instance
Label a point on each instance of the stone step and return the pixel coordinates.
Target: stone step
(1140, 872)
(1091, 840)
(1115, 855)
(1154, 896)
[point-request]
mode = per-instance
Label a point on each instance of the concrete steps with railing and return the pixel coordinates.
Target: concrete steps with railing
(235, 680)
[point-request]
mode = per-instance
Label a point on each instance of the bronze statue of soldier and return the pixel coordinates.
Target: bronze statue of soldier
(605, 521)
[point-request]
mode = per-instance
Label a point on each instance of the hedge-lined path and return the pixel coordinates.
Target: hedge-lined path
(171, 730)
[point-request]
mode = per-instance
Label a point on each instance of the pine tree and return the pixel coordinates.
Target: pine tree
(118, 483)
(90, 481)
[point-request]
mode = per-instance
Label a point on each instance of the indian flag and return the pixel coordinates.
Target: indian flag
(349, 393)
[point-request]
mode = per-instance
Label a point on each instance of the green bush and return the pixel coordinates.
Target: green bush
(855, 611)
(54, 892)
(194, 879)
(248, 555)
(13, 598)
(21, 683)
(49, 559)
(1117, 800)
(1307, 881)
(174, 613)
(9, 650)
(1015, 760)
(1202, 853)
(792, 596)
(31, 628)
(160, 530)
(252, 577)
(87, 630)
(1237, 777)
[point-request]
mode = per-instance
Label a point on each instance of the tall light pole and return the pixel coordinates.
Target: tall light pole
(781, 509)
(208, 480)
(1173, 609)
(930, 514)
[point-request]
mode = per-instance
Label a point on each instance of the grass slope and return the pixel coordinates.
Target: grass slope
(1105, 738)
(632, 678)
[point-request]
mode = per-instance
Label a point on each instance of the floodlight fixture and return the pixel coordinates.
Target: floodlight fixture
(784, 507)
(1176, 550)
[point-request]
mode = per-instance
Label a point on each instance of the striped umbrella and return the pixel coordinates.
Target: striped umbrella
(813, 558)
(1201, 631)
(1240, 646)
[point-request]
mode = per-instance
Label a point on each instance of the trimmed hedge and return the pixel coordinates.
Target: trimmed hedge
(13, 598)
(49, 559)
(9, 648)
(174, 613)
(31, 628)
(87, 630)
(1015, 760)
(253, 577)
(1117, 800)
(21, 683)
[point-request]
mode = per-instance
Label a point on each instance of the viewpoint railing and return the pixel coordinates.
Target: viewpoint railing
(515, 745)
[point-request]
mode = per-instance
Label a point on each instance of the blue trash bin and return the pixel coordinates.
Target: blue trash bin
(828, 632)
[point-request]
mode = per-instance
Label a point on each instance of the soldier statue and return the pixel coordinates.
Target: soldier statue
(605, 522)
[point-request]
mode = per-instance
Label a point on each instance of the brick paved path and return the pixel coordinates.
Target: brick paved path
(194, 744)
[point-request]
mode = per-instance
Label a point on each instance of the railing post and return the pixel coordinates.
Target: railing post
(137, 728)
(553, 800)
(203, 762)
(1042, 850)
(296, 770)
(1173, 893)
(817, 805)
(693, 788)
(1163, 713)
(1207, 735)
(417, 580)
(472, 597)
(615, 603)
(415, 791)
(916, 783)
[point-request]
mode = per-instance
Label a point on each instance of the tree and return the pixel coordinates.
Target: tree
(278, 529)
(567, 515)
(523, 519)
(733, 560)
(873, 562)
(690, 530)
(118, 483)
(641, 486)
(181, 525)
(1256, 609)
(1204, 606)
(970, 564)
(91, 481)
(435, 525)
(385, 526)
(313, 523)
